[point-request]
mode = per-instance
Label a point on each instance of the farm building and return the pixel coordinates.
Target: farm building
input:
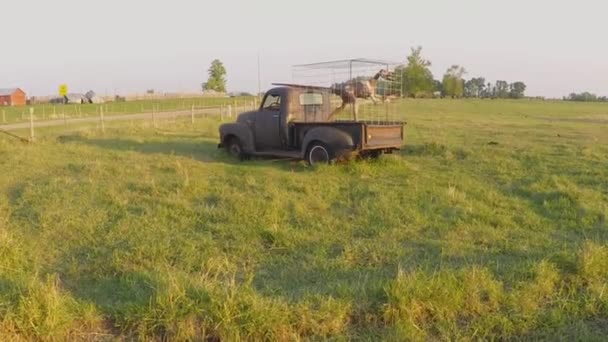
(91, 97)
(70, 99)
(75, 98)
(12, 97)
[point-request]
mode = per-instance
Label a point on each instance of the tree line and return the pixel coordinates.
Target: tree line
(585, 97)
(417, 80)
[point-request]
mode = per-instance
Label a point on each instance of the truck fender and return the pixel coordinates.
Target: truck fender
(240, 131)
(337, 139)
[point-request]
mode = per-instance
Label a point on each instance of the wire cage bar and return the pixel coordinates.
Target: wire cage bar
(361, 89)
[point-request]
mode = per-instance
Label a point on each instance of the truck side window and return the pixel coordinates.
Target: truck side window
(272, 102)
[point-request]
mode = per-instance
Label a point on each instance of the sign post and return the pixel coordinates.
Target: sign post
(63, 91)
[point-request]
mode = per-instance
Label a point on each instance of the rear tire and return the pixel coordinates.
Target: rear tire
(235, 149)
(319, 154)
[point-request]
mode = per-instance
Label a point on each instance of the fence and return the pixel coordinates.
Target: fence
(46, 111)
(162, 96)
(154, 115)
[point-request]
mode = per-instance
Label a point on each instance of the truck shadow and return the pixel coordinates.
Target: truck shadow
(198, 148)
(194, 148)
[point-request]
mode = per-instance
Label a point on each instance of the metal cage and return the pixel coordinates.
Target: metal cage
(361, 89)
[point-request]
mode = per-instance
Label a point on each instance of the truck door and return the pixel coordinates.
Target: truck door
(268, 123)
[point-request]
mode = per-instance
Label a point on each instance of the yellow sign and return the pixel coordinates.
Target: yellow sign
(63, 89)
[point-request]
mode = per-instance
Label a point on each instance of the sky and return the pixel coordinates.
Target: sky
(127, 46)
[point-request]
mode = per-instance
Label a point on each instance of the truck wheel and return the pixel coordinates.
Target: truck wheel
(319, 153)
(234, 148)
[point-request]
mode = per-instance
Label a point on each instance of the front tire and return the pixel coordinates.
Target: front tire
(235, 149)
(319, 154)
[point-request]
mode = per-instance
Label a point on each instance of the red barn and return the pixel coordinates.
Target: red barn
(12, 97)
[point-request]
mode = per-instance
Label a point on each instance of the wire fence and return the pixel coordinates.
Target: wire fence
(49, 111)
(28, 131)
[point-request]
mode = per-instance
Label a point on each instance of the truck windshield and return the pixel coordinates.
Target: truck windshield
(272, 102)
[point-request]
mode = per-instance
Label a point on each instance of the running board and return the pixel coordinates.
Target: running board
(279, 153)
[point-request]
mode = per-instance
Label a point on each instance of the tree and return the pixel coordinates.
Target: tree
(416, 78)
(490, 91)
(475, 87)
(216, 80)
(470, 89)
(517, 90)
(585, 97)
(501, 89)
(453, 82)
(437, 86)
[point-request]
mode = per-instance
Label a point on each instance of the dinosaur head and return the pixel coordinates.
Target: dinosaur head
(387, 75)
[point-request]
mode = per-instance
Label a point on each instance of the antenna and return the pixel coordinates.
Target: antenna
(259, 81)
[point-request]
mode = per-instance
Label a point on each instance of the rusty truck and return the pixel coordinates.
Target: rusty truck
(292, 122)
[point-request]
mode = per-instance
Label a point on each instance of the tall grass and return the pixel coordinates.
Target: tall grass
(489, 224)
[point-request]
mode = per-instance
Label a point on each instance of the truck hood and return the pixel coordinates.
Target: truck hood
(246, 116)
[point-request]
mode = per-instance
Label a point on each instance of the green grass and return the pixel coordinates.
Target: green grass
(51, 111)
(490, 224)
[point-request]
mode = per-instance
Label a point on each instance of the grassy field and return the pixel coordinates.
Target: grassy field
(489, 224)
(49, 111)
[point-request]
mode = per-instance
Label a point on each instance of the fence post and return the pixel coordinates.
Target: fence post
(192, 114)
(229, 111)
(103, 126)
(32, 136)
(154, 115)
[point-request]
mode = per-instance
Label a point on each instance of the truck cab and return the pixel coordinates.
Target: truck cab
(292, 122)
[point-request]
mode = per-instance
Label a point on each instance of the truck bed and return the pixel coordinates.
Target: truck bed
(367, 135)
(383, 136)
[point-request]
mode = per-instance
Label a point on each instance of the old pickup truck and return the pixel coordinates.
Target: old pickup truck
(291, 122)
